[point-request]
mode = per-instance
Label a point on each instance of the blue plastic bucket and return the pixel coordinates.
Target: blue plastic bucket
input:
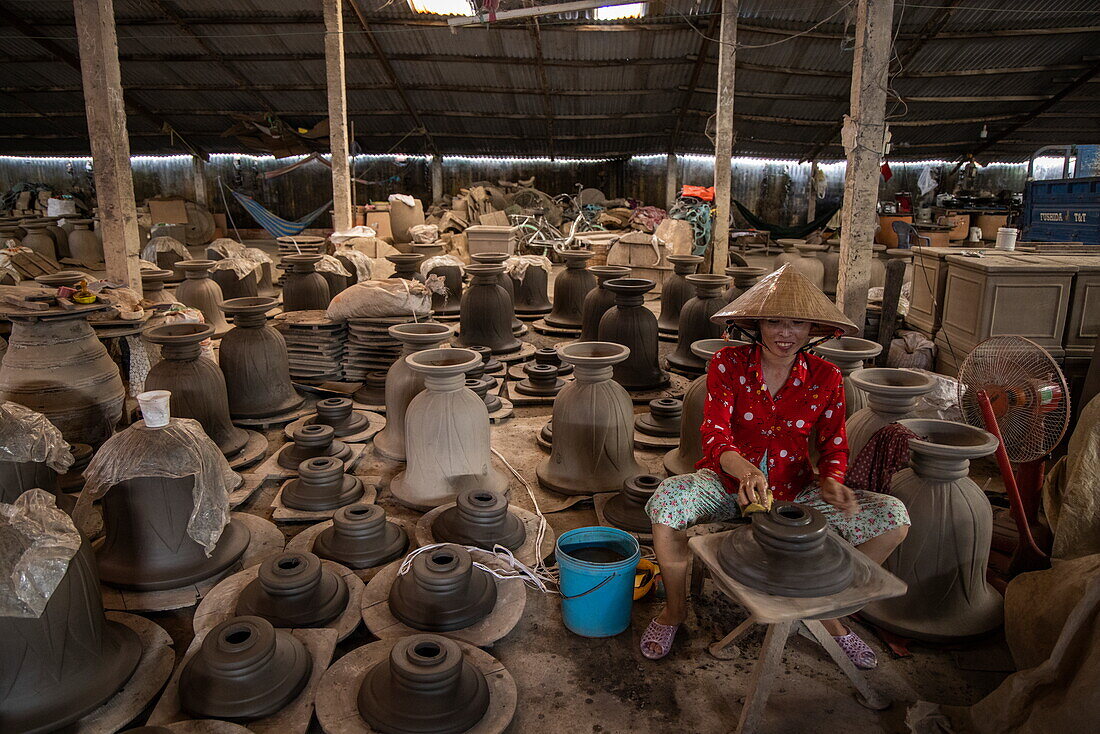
(596, 567)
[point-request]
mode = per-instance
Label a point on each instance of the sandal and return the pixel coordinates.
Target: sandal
(857, 650)
(660, 636)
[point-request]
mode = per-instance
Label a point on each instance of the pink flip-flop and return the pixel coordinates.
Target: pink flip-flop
(862, 656)
(660, 636)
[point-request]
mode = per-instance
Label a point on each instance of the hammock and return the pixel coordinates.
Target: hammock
(276, 225)
(781, 232)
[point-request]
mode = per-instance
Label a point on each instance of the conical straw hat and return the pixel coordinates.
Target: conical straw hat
(786, 294)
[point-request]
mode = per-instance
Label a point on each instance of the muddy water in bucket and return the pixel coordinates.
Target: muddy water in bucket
(597, 579)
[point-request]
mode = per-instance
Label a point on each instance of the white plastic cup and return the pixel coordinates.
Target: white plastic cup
(154, 407)
(1006, 238)
(975, 234)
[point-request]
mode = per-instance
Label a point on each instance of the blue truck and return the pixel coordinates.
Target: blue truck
(1062, 210)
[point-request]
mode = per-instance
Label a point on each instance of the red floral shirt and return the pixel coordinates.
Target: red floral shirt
(740, 415)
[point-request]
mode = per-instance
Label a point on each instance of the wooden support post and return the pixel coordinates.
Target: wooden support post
(337, 114)
(863, 133)
(437, 177)
(671, 188)
(811, 203)
(114, 181)
(202, 189)
(723, 139)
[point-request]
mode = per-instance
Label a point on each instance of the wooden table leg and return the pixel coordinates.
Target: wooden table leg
(763, 676)
(723, 649)
(868, 696)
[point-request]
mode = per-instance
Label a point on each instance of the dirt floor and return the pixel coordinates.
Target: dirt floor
(575, 684)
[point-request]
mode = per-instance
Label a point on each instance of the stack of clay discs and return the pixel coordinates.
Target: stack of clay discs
(304, 244)
(370, 348)
(315, 345)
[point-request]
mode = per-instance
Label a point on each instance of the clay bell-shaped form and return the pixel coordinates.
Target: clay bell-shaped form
(152, 286)
(682, 459)
(570, 288)
(446, 434)
(626, 510)
(321, 485)
(788, 551)
(406, 266)
(312, 442)
(196, 383)
(84, 246)
(254, 361)
(245, 669)
(663, 418)
(849, 353)
(361, 537)
(66, 662)
(199, 291)
(304, 289)
(504, 280)
(593, 419)
(542, 380)
(634, 326)
(743, 279)
(403, 383)
(294, 590)
(530, 292)
(486, 318)
(944, 557)
(442, 591)
(696, 324)
(232, 284)
(426, 685)
(480, 517)
(448, 302)
(676, 291)
(338, 413)
(599, 300)
(892, 394)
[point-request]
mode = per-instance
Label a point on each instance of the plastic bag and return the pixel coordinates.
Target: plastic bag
(329, 264)
(912, 349)
(241, 266)
(37, 541)
(177, 450)
(392, 297)
(517, 265)
(164, 244)
(360, 260)
(440, 261)
(29, 436)
(942, 402)
(403, 198)
(424, 234)
(339, 238)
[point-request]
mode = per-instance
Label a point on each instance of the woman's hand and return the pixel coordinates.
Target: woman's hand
(752, 487)
(839, 496)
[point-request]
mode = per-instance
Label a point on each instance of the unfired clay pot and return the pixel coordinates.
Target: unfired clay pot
(663, 418)
(361, 537)
(234, 287)
(254, 361)
(84, 246)
(503, 280)
(59, 234)
(487, 316)
(62, 665)
(17, 477)
(446, 434)
(312, 442)
(695, 323)
(305, 289)
(676, 291)
(406, 266)
(443, 591)
(809, 265)
(743, 279)
(570, 288)
(152, 286)
(199, 291)
(626, 510)
(531, 293)
(426, 685)
(682, 459)
(244, 670)
(599, 300)
(789, 254)
(788, 551)
(849, 353)
(892, 394)
(944, 557)
(294, 590)
(321, 485)
(481, 518)
(196, 383)
(878, 266)
(593, 418)
(38, 239)
(634, 326)
(830, 261)
(448, 304)
(403, 383)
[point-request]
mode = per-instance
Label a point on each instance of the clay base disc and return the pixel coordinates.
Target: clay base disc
(533, 315)
(272, 421)
(248, 487)
(645, 441)
(668, 335)
(252, 452)
(375, 423)
(369, 407)
(303, 542)
(153, 668)
(282, 513)
(691, 374)
(271, 468)
(526, 553)
(294, 718)
(220, 604)
(600, 501)
(524, 353)
(205, 726)
(674, 387)
(504, 412)
(337, 697)
(265, 540)
(544, 328)
(511, 599)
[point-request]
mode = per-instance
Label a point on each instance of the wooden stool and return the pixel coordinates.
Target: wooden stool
(784, 615)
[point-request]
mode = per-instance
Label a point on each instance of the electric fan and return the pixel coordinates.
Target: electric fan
(1013, 388)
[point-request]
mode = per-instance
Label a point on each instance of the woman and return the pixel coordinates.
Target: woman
(765, 401)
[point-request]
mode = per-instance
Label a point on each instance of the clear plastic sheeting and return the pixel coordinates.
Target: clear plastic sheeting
(256, 255)
(37, 541)
(164, 244)
(424, 234)
(393, 297)
(29, 436)
(240, 266)
(360, 260)
(942, 402)
(517, 265)
(227, 247)
(441, 261)
(329, 264)
(177, 450)
(339, 238)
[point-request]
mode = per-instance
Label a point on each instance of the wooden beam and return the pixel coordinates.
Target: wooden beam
(863, 137)
(547, 102)
(360, 87)
(342, 218)
(693, 79)
(114, 181)
(723, 137)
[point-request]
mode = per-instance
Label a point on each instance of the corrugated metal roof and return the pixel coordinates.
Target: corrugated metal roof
(612, 87)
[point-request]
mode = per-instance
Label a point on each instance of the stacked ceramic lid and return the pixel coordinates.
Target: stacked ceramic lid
(315, 345)
(370, 347)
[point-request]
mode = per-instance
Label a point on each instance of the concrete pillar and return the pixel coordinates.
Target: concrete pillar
(337, 114)
(672, 189)
(437, 177)
(723, 137)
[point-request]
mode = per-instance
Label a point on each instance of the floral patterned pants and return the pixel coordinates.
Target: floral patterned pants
(689, 499)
